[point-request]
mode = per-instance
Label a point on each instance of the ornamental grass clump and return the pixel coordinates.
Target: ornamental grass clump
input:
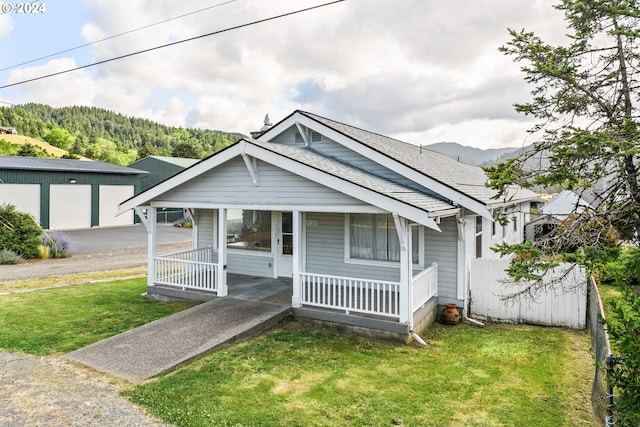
(7, 256)
(58, 245)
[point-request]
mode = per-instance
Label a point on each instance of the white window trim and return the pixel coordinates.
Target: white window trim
(377, 263)
(477, 234)
(249, 252)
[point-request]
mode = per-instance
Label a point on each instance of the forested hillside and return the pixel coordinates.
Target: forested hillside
(103, 135)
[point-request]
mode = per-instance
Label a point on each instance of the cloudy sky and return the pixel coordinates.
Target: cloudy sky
(423, 71)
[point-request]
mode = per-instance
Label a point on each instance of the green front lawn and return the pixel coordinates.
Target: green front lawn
(64, 319)
(500, 375)
(496, 376)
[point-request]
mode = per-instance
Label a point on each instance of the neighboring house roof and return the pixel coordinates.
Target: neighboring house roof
(64, 165)
(566, 203)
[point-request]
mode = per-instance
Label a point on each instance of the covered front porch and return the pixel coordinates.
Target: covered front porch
(357, 302)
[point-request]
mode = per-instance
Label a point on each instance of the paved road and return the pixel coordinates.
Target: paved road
(132, 236)
(100, 249)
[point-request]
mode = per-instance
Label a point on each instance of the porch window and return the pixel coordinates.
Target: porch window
(478, 236)
(249, 230)
(374, 237)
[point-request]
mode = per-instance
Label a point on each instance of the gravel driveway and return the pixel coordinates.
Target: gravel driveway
(51, 391)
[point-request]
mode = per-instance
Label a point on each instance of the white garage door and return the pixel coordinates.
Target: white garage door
(25, 197)
(110, 197)
(69, 206)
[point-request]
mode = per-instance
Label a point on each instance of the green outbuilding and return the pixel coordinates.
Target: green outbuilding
(161, 168)
(68, 194)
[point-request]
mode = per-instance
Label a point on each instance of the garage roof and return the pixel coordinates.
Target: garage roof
(64, 165)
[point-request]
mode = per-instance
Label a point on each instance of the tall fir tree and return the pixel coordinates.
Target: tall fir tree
(585, 97)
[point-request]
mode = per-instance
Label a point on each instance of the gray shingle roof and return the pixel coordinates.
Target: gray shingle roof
(464, 178)
(356, 176)
(64, 165)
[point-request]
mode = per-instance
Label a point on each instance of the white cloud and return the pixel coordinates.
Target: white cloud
(5, 25)
(481, 133)
(75, 88)
(412, 67)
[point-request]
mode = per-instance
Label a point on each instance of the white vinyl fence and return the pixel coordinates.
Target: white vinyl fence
(564, 305)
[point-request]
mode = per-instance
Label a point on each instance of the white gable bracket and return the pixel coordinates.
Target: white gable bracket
(303, 134)
(401, 229)
(251, 164)
(142, 214)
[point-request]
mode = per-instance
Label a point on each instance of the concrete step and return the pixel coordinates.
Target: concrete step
(165, 344)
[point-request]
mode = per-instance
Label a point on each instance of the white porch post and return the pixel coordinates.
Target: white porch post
(148, 216)
(297, 258)
(404, 235)
(222, 252)
(193, 213)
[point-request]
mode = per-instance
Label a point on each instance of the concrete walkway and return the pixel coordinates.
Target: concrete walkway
(167, 343)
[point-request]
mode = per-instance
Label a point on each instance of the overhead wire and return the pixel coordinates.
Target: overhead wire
(116, 35)
(260, 21)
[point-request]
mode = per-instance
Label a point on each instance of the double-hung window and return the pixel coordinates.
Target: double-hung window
(374, 237)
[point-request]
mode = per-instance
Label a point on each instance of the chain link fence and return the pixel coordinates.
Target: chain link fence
(602, 392)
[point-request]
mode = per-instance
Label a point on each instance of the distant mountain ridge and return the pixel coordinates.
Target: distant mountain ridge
(475, 156)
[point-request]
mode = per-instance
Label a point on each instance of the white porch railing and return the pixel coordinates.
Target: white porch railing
(350, 294)
(192, 269)
(425, 286)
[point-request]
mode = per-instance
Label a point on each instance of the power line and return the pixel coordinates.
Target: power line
(116, 35)
(173, 43)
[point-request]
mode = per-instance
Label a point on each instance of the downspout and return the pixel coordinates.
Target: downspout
(417, 338)
(465, 305)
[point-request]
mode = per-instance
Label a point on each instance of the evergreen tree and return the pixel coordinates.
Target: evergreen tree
(185, 149)
(28, 150)
(585, 95)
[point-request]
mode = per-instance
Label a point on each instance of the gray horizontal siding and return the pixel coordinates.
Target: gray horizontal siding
(325, 251)
(442, 248)
(206, 228)
(231, 183)
(249, 264)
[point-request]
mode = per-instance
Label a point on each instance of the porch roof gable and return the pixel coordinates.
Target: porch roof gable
(359, 184)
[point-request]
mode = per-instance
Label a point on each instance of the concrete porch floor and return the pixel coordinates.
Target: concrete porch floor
(253, 288)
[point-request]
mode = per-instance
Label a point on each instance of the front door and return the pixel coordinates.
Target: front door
(284, 241)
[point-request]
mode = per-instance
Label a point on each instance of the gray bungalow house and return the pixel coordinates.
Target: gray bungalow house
(362, 225)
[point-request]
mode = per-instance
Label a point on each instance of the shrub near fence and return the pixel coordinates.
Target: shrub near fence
(601, 393)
